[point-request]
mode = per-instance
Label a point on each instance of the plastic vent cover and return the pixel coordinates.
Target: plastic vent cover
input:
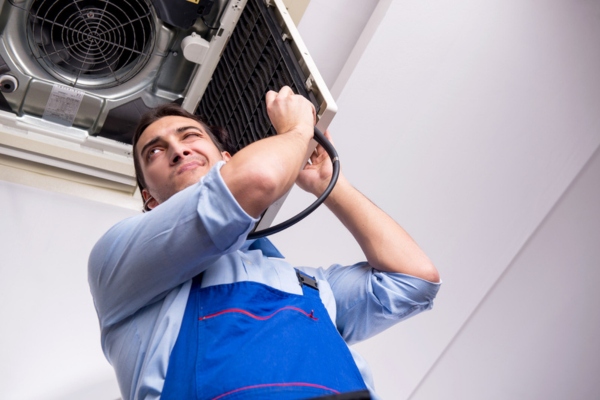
(255, 61)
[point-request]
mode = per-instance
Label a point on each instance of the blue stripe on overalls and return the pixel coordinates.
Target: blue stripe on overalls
(248, 340)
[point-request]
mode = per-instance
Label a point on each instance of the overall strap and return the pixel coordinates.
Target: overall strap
(309, 285)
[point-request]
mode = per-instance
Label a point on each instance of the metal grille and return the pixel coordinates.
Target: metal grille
(255, 61)
(91, 43)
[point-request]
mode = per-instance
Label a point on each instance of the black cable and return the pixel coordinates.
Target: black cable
(208, 26)
(328, 147)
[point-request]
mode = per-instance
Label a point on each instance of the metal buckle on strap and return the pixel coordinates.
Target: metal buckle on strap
(307, 280)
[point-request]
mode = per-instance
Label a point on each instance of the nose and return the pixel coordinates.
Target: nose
(178, 152)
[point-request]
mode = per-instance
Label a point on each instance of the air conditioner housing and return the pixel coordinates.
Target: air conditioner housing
(76, 75)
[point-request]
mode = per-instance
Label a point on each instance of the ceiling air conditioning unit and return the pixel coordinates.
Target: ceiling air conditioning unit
(76, 75)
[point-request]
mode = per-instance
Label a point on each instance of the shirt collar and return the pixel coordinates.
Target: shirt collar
(263, 244)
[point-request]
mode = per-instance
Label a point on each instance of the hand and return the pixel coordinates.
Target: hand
(290, 112)
(316, 174)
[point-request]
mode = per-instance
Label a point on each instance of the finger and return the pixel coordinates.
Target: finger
(315, 153)
(319, 157)
(286, 91)
(314, 156)
(322, 157)
(270, 96)
(318, 151)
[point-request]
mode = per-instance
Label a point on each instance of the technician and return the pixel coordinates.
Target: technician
(189, 308)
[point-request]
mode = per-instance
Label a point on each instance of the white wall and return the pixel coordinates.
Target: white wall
(49, 339)
(536, 334)
(466, 121)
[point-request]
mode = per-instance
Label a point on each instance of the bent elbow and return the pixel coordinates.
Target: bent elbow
(265, 185)
(255, 190)
(430, 273)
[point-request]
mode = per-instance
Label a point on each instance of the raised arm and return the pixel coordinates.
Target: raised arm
(385, 244)
(264, 171)
(144, 257)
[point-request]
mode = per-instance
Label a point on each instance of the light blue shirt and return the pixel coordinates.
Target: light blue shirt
(140, 276)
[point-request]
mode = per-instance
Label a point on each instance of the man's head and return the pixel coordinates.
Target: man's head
(173, 149)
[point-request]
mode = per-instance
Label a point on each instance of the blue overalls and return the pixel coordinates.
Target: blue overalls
(247, 340)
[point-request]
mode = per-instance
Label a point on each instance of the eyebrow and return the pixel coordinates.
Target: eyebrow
(179, 130)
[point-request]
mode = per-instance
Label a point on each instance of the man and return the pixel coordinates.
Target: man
(189, 309)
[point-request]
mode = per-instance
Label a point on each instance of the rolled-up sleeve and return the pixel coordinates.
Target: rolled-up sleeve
(369, 301)
(142, 258)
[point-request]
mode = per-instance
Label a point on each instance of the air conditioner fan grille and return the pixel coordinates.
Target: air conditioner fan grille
(91, 43)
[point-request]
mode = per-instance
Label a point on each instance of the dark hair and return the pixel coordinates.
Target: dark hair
(218, 135)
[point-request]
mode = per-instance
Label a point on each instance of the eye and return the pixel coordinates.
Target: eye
(192, 135)
(152, 152)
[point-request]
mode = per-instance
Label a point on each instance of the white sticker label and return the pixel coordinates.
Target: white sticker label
(63, 104)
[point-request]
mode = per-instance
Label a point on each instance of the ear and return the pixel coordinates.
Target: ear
(226, 156)
(149, 201)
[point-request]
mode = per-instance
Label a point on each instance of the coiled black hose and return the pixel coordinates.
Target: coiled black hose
(328, 147)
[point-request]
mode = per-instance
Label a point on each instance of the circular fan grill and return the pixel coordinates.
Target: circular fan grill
(91, 43)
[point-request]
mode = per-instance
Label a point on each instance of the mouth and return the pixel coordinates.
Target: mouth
(190, 165)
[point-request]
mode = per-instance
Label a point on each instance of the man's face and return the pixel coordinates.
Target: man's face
(174, 153)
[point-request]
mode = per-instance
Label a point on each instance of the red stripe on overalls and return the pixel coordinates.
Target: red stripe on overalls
(276, 385)
(258, 317)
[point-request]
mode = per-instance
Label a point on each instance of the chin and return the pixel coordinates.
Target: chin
(186, 183)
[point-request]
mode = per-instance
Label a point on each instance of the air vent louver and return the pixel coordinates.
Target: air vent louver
(91, 43)
(256, 59)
